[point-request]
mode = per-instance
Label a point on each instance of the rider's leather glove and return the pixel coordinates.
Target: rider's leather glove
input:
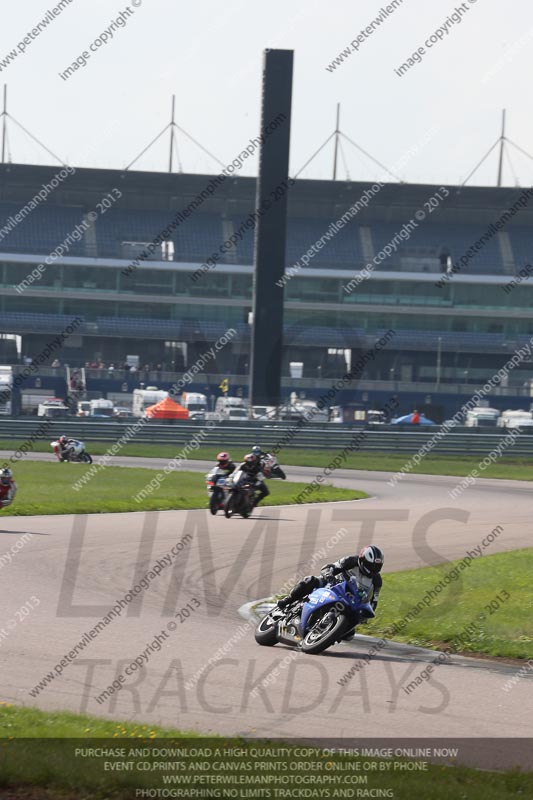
(328, 574)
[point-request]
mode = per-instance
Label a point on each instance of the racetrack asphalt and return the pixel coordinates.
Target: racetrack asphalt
(76, 568)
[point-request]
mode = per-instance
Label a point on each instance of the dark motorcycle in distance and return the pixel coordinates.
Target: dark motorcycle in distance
(240, 495)
(216, 489)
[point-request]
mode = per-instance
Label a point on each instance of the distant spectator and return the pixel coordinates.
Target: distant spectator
(133, 368)
(56, 363)
(415, 419)
(111, 368)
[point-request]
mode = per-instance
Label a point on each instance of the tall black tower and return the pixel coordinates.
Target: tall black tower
(271, 229)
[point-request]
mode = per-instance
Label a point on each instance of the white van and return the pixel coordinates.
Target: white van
(52, 408)
(482, 416)
(264, 412)
(195, 403)
(231, 408)
(6, 388)
(515, 419)
(101, 408)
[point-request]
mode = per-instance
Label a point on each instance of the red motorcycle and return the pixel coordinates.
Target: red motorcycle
(216, 489)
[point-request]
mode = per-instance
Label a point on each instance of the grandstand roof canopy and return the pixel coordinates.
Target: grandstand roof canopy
(309, 198)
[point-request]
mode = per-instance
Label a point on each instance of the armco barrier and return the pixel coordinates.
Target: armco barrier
(242, 436)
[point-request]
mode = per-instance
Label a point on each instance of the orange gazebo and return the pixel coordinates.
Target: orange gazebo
(167, 409)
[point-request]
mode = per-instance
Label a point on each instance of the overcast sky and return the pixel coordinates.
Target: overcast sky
(433, 124)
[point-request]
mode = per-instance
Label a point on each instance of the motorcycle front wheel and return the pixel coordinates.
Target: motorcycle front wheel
(266, 632)
(213, 503)
(324, 632)
(246, 508)
(229, 505)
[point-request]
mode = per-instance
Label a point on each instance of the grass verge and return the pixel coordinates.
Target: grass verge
(48, 488)
(472, 613)
(51, 762)
(512, 468)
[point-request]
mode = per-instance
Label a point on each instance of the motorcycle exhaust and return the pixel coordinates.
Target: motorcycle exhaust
(288, 633)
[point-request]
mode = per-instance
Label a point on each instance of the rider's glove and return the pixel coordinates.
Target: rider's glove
(328, 574)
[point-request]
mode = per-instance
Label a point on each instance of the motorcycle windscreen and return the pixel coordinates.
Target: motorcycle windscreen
(235, 477)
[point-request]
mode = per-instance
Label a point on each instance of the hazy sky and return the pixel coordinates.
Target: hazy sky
(433, 123)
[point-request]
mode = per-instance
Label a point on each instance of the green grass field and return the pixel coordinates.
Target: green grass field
(461, 616)
(47, 488)
(516, 468)
(50, 762)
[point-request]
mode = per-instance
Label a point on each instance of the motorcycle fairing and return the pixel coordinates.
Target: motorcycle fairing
(346, 593)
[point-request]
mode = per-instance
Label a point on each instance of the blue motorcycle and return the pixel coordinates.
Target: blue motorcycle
(327, 616)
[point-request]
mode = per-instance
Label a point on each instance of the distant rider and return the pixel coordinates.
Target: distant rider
(365, 568)
(68, 447)
(251, 466)
(8, 487)
(225, 463)
(277, 472)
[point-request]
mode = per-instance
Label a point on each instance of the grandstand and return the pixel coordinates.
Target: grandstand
(448, 337)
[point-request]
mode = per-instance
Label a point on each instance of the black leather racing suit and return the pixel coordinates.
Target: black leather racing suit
(255, 474)
(369, 584)
(227, 468)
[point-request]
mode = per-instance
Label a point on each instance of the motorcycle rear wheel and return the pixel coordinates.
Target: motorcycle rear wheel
(317, 639)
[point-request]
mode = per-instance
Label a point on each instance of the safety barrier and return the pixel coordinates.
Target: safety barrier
(285, 435)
